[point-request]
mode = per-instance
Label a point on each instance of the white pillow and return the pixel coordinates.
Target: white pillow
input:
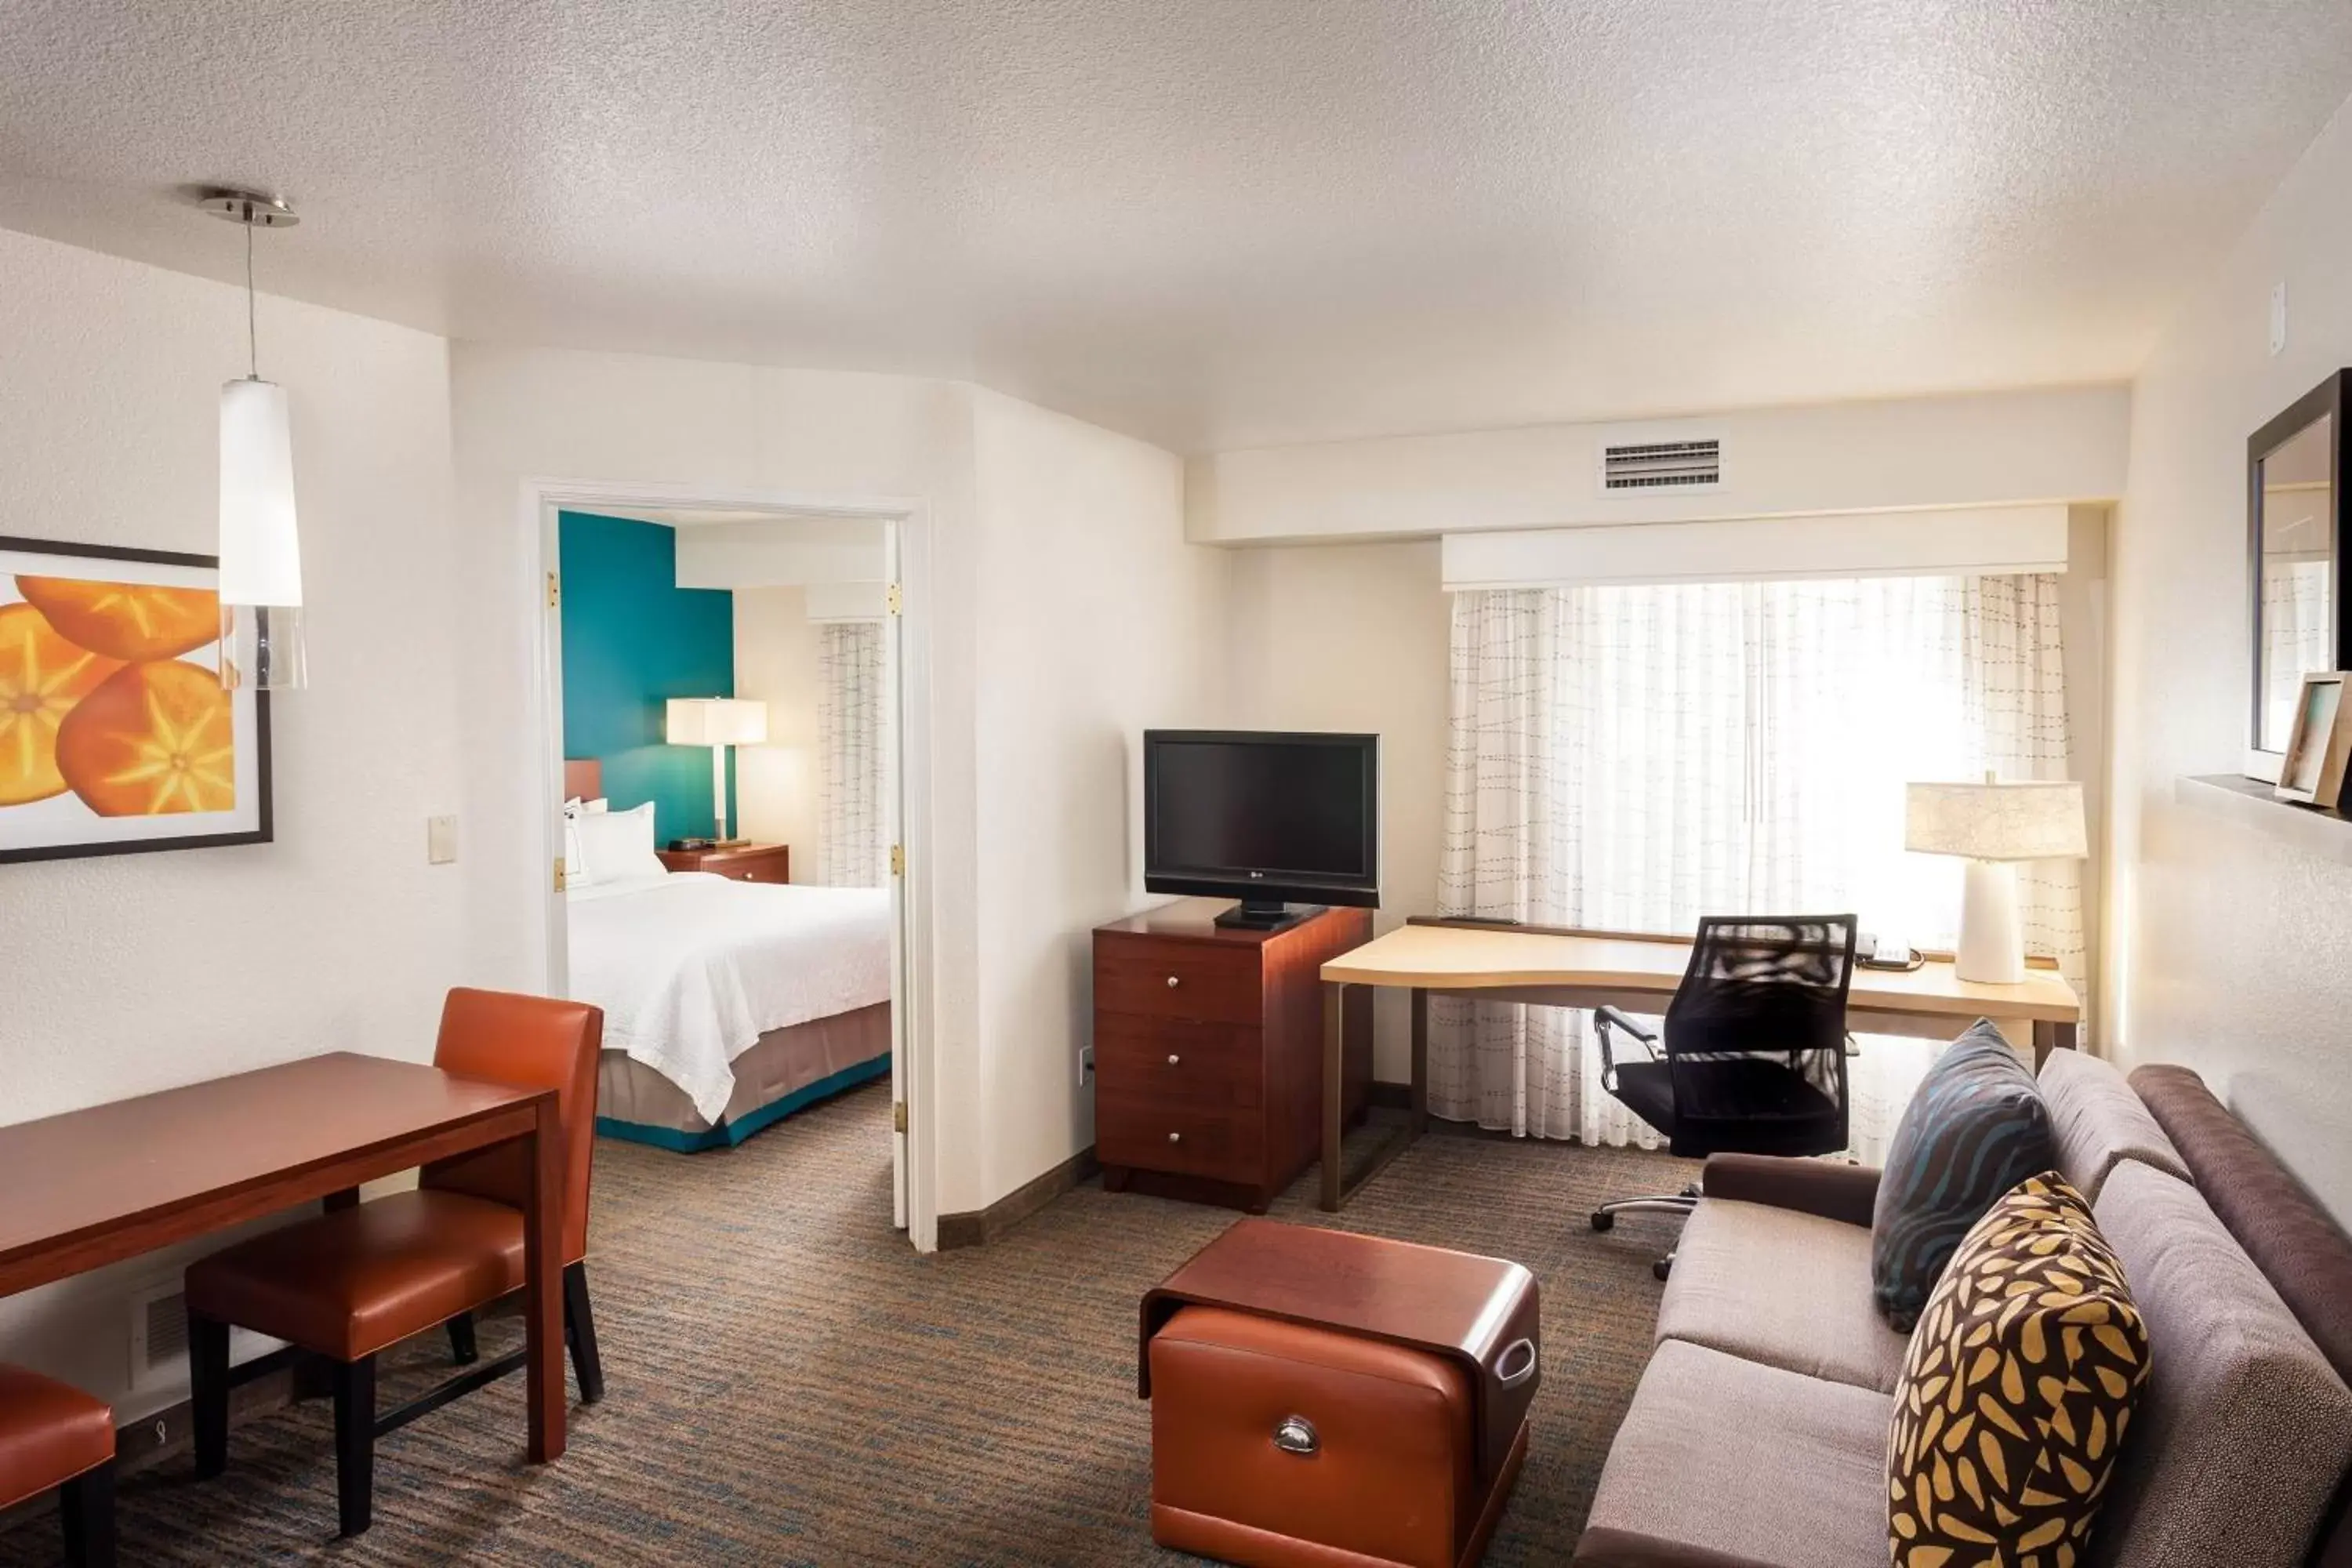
(618, 844)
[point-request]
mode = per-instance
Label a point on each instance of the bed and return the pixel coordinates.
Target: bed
(728, 1005)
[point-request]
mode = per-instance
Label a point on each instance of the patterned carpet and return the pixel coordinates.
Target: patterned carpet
(790, 1383)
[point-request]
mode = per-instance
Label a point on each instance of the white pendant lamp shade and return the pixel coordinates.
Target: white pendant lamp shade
(260, 555)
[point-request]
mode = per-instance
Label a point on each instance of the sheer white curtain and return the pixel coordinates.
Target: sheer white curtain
(851, 714)
(1632, 758)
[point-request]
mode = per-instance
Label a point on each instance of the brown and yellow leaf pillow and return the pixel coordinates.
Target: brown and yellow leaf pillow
(2016, 1392)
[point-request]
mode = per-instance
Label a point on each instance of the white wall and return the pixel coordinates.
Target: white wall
(1095, 622)
(2232, 952)
(775, 785)
(1890, 455)
(128, 973)
(1354, 637)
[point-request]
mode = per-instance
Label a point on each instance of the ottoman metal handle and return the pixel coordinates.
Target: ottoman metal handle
(1508, 1375)
(1297, 1436)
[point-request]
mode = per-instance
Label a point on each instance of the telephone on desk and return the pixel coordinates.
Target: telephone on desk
(1873, 953)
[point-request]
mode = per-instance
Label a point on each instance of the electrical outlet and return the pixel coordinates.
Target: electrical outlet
(440, 839)
(1086, 1066)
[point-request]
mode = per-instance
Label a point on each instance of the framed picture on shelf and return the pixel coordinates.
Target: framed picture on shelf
(2318, 742)
(116, 735)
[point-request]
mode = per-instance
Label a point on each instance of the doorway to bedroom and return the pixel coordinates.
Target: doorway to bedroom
(729, 711)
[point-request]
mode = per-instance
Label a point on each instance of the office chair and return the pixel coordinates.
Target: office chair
(1753, 1059)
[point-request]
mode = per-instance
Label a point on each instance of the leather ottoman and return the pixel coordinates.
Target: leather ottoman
(1337, 1401)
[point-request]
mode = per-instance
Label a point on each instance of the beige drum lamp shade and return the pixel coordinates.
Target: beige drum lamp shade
(1996, 821)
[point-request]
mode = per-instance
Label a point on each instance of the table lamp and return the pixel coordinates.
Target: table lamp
(717, 722)
(1993, 825)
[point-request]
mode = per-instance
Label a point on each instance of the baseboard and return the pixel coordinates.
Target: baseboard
(979, 1229)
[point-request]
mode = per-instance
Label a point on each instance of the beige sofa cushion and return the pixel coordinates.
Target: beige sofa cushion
(2243, 1428)
(1789, 1290)
(1751, 1461)
(2096, 1123)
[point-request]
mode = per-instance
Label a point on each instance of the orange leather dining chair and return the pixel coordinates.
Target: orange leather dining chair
(55, 1437)
(355, 1281)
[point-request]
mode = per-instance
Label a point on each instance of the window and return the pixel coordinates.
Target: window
(1632, 758)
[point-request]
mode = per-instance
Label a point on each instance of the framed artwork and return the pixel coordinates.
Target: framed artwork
(116, 735)
(2318, 742)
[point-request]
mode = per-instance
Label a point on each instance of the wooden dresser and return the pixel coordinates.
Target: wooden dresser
(736, 862)
(1208, 1050)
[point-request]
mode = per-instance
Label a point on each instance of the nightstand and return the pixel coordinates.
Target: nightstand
(736, 862)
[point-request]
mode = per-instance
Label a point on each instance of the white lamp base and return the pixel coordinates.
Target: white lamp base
(718, 794)
(1992, 945)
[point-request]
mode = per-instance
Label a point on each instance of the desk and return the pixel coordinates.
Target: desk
(1596, 969)
(93, 1187)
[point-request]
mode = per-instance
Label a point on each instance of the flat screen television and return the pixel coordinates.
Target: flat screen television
(1269, 819)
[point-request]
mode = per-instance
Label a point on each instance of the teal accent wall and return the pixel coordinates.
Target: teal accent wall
(632, 640)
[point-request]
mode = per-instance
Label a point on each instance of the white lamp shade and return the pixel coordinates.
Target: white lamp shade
(715, 722)
(2026, 821)
(260, 555)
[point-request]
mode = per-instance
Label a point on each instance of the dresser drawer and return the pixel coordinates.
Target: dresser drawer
(1156, 1135)
(1178, 1060)
(770, 866)
(1154, 979)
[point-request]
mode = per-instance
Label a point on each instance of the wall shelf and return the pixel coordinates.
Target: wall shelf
(2314, 830)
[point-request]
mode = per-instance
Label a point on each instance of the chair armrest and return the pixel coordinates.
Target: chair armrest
(1847, 1192)
(1605, 1016)
(1602, 1018)
(1602, 1547)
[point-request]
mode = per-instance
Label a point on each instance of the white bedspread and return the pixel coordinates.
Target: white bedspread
(691, 969)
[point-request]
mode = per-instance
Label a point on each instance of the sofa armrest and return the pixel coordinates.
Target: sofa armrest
(1602, 1547)
(1847, 1192)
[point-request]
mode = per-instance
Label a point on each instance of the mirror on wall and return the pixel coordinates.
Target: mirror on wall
(2295, 526)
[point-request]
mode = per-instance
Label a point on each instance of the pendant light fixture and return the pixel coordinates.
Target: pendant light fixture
(260, 552)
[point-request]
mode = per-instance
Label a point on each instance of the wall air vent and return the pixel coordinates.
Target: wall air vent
(1661, 464)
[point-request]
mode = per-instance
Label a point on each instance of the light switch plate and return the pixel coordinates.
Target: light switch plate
(440, 839)
(2278, 318)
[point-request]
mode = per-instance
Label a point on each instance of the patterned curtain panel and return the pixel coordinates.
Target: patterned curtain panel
(852, 847)
(1632, 758)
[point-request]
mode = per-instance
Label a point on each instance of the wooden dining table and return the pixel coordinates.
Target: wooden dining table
(92, 1187)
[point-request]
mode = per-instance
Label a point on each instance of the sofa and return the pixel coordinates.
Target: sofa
(1758, 1435)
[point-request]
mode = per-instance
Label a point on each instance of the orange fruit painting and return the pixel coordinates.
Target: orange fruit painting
(152, 739)
(132, 621)
(42, 677)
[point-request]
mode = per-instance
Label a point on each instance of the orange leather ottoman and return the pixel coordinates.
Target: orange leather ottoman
(1335, 1401)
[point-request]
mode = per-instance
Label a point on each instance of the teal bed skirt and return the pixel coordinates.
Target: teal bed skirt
(727, 1134)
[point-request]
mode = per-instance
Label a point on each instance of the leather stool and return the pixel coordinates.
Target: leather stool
(1324, 1400)
(53, 1436)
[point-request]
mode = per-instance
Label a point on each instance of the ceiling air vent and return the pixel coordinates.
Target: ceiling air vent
(1661, 464)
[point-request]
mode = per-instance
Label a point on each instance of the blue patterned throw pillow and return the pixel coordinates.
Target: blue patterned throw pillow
(1976, 1129)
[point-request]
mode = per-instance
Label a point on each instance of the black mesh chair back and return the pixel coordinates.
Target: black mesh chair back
(1755, 1037)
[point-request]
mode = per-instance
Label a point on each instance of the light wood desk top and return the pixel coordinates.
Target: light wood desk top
(1468, 958)
(1639, 973)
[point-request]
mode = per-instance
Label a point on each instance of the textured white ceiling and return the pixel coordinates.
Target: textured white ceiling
(1214, 223)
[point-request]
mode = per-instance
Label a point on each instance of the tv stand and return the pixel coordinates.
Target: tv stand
(1209, 1051)
(1252, 914)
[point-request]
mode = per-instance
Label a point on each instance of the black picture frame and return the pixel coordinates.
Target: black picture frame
(264, 831)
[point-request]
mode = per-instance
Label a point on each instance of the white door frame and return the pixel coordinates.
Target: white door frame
(909, 524)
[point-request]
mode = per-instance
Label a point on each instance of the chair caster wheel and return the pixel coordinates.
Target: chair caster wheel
(1603, 1220)
(1661, 1269)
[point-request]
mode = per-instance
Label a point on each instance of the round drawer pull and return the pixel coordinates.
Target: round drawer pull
(1171, 983)
(1175, 1137)
(1174, 1058)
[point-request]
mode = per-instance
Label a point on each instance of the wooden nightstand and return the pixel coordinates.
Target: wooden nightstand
(736, 862)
